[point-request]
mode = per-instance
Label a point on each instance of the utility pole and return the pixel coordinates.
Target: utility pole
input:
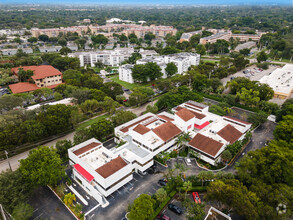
(8, 160)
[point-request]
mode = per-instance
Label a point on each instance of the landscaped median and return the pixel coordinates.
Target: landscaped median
(67, 200)
(163, 204)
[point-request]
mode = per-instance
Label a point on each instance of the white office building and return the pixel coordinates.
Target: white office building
(101, 171)
(182, 60)
(281, 81)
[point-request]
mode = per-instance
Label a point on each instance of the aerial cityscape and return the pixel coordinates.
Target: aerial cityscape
(134, 110)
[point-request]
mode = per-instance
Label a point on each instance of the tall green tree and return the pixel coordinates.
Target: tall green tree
(42, 166)
(171, 69)
(142, 208)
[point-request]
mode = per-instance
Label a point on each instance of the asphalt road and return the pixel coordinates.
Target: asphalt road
(14, 161)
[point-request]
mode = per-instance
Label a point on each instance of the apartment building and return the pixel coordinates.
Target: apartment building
(43, 76)
(158, 31)
(227, 35)
(182, 60)
(11, 52)
(218, 36)
(107, 57)
(107, 30)
(101, 171)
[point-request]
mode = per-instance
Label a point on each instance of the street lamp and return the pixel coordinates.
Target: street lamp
(8, 160)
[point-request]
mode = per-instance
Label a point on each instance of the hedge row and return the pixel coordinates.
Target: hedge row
(163, 204)
(194, 188)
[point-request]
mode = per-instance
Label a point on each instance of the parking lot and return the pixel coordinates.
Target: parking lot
(172, 215)
(120, 199)
(255, 75)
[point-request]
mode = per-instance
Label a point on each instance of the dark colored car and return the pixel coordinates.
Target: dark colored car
(163, 217)
(162, 182)
(175, 208)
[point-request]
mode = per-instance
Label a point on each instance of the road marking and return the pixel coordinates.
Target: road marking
(118, 192)
(112, 196)
(139, 174)
(36, 209)
(38, 216)
(154, 189)
(135, 179)
(92, 210)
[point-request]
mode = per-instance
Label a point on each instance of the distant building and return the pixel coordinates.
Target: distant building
(213, 38)
(11, 52)
(44, 76)
(158, 31)
(182, 60)
(281, 81)
(107, 57)
(50, 49)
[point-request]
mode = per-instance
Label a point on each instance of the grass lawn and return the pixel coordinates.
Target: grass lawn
(92, 121)
(127, 85)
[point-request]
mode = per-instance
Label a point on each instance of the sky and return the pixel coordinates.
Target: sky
(165, 2)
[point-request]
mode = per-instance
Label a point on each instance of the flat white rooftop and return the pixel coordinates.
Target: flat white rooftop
(280, 80)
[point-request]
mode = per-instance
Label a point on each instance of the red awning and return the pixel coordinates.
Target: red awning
(83, 172)
(201, 126)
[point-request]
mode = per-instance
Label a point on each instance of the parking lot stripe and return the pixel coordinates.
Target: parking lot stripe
(38, 216)
(118, 192)
(92, 210)
(135, 179)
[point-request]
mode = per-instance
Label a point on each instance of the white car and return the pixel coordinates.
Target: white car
(188, 161)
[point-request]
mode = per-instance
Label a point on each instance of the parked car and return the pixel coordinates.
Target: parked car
(162, 182)
(163, 217)
(188, 161)
(196, 197)
(175, 208)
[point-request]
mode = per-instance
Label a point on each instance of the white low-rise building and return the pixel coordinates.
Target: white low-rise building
(101, 171)
(281, 81)
(182, 60)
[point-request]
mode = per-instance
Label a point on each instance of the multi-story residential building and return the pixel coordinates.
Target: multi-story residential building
(213, 38)
(107, 30)
(101, 171)
(158, 31)
(182, 60)
(43, 76)
(107, 57)
(50, 49)
(11, 52)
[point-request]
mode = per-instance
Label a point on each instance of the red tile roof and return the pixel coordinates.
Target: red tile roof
(40, 72)
(166, 118)
(111, 167)
(27, 87)
(229, 133)
(167, 131)
(141, 129)
(236, 119)
(198, 115)
(185, 114)
(23, 87)
(86, 148)
(83, 172)
(125, 129)
(206, 144)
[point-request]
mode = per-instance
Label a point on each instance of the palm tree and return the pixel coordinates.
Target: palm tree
(69, 198)
(187, 186)
(183, 139)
